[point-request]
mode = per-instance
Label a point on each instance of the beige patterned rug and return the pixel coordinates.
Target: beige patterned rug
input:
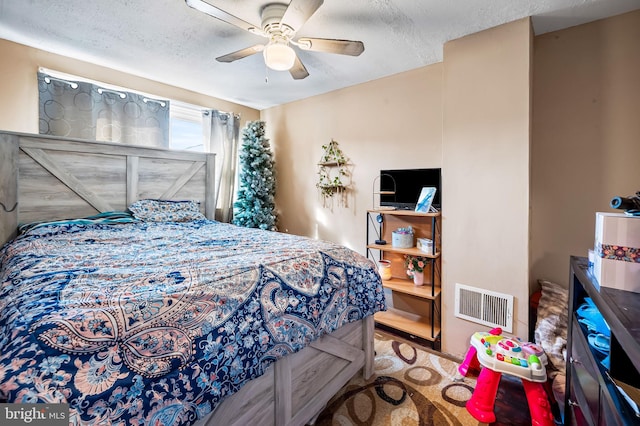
(410, 386)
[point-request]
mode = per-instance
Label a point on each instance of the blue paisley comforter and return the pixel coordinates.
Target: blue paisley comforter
(154, 323)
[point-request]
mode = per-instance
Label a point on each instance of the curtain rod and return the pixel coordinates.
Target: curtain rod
(61, 76)
(115, 92)
(48, 78)
(157, 101)
(208, 111)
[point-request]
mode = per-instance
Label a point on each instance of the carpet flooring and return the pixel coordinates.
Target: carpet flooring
(413, 385)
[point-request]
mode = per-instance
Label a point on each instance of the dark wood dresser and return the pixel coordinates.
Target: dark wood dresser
(592, 397)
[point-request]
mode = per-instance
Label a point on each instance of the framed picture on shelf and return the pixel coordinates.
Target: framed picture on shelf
(425, 199)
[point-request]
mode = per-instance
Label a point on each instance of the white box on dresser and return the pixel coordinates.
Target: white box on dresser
(617, 247)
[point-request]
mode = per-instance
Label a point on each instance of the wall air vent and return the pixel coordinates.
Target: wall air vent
(484, 307)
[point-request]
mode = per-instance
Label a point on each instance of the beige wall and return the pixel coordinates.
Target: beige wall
(485, 235)
(394, 122)
(19, 86)
(586, 133)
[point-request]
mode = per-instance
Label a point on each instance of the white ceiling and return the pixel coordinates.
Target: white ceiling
(167, 41)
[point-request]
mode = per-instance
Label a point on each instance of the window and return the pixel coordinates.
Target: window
(186, 127)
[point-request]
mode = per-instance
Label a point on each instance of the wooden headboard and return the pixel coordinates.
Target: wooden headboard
(48, 178)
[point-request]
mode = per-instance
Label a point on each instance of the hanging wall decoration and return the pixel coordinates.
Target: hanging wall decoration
(334, 177)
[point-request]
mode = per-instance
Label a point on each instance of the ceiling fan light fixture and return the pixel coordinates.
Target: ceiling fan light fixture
(280, 23)
(279, 56)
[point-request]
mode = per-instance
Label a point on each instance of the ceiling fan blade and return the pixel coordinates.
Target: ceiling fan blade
(298, 12)
(242, 53)
(210, 10)
(298, 71)
(329, 45)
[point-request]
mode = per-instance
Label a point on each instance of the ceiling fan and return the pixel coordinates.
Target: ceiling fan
(280, 24)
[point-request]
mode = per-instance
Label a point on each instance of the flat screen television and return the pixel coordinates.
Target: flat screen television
(407, 184)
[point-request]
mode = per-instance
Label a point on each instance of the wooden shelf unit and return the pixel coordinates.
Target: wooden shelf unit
(408, 323)
(407, 287)
(413, 251)
(416, 309)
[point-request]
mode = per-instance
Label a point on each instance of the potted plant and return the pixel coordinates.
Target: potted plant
(415, 268)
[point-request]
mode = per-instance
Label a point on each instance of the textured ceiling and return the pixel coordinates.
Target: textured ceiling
(167, 41)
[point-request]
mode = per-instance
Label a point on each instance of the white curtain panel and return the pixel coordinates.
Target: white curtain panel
(221, 136)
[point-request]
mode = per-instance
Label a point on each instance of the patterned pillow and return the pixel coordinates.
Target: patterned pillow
(166, 211)
(551, 326)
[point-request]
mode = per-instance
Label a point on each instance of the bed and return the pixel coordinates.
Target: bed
(135, 320)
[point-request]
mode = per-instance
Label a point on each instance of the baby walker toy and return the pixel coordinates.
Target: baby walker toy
(499, 354)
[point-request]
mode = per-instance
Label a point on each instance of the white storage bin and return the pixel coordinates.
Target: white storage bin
(401, 240)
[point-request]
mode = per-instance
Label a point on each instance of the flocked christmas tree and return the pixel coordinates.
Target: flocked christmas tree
(255, 206)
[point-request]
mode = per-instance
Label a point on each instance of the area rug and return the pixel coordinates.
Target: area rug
(410, 386)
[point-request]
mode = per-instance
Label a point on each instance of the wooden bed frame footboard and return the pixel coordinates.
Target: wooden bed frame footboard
(297, 387)
(51, 178)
